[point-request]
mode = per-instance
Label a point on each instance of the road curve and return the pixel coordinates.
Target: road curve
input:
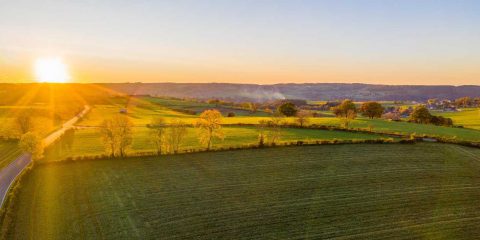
(10, 172)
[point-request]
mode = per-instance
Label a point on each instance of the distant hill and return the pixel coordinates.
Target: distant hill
(100, 93)
(310, 91)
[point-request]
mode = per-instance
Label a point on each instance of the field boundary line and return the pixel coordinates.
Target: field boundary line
(292, 144)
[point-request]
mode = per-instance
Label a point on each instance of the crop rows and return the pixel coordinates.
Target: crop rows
(341, 192)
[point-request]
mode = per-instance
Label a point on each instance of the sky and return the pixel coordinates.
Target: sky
(423, 42)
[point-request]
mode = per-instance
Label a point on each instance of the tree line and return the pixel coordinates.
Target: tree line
(347, 111)
(168, 136)
(422, 115)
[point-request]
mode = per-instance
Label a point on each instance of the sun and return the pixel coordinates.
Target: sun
(51, 70)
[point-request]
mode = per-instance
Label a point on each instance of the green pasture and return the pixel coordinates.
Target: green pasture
(406, 128)
(381, 125)
(405, 104)
(364, 191)
(199, 107)
(141, 116)
(469, 117)
(44, 121)
(88, 141)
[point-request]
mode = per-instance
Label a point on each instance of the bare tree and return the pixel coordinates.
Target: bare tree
(262, 132)
(107, 130)
(210, 127)
(24, 122)
(349, 117)
(303, 117)
(124, 128)
(346, 111)
(158, 132)
(176, 132)
(275, 128)
(117, 135)
(253, 107)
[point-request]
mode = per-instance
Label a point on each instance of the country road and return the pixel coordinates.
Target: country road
(10, 172)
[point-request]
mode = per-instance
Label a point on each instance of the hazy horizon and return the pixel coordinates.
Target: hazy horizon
(255, 42)
(259, 84)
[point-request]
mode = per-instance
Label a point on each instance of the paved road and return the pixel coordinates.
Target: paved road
(10, 172)
(67, 125)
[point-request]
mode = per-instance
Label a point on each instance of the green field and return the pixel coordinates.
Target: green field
(469, 117)
(408, 128)
(144, 114)
(142, 111)
(376, 191)
(89, 141)
(199, 107)
(41, 124)
(8, 152)
(140, 116)
(381, 125)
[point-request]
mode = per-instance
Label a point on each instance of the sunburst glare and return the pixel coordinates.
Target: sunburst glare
(52, 70)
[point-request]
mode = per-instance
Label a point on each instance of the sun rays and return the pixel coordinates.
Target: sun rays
(52, 70)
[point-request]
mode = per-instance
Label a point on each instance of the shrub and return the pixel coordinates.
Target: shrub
(406, 141)
(287, 109)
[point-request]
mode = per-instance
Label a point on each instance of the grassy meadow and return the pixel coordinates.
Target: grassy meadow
(8, 152)
(141, 111)
(41, 121)
(9, 149)
(89, 141)
(356, 191)
(365, 191)
(407, 128)
(468, 117)
(199, 107)
(142, 114)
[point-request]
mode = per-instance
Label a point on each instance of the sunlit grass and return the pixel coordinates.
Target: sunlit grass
(88, 142)
(468, 117)
(141, 116)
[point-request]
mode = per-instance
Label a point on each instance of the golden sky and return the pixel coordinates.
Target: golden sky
(382, 42)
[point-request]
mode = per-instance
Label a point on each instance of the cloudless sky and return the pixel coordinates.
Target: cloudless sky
(261, 41)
